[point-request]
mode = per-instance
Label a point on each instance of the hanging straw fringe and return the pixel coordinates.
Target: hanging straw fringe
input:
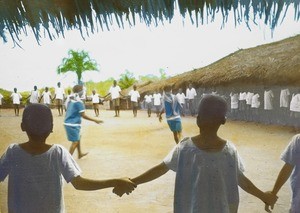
(53, 17)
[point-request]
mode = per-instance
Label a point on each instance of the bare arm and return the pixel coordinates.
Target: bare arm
(81, 183)
(85, 116)
(250, 188)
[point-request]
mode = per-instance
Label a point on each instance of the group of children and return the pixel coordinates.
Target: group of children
(208, 168)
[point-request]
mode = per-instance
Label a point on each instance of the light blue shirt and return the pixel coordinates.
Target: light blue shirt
(73, 114)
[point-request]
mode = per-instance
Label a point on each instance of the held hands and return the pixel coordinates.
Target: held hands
(124, 185)
(269, 199)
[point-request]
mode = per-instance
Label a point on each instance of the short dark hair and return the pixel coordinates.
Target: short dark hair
(37, 119)
(212, 107)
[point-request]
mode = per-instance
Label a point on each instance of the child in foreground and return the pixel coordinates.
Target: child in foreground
(208, 168)
(35, 169)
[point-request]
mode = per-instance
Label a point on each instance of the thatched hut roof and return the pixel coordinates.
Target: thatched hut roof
(272, 64)
(54, 17)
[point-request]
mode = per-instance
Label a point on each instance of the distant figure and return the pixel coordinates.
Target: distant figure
(157, 102)
(268, 105)
(255, 104)
(295, 110)
(16, 99)
(36, 169)
(284, 104)
(46, 95)
(242, 105)
(1, 101)
(134, 98)
(190, 95)
(59, 97)
(148, 103)
(96, 101)
(34, 96)
(181, 99)
(208, 168)
(67, 99)
(75, 113)
(115, 92)
(234, 104)
(248, 106)
(290, 169)
(171, 107)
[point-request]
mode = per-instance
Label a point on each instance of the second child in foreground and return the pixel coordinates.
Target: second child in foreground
(35, 168)
(208, 168)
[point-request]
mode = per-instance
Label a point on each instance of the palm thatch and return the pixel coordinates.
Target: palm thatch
(54, 17)
(275, 64)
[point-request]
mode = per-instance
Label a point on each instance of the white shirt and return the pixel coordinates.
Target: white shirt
(16, 97)
(249, 98)
(1, 96)
(95, 98)
(34, 97)
(295, 103)
(181, 98)
(35, 181)
(134, 95)
(255, 103)
(148, 98)
(205, 181)
(46, 97)
(291, 156)
(284, 98)
(157, 99)
(268, 100)
(234, 100)
(115, 92)
(59, 93)
(190, 93)
(242, 96)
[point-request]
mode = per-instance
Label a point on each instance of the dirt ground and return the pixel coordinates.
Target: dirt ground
(127, 146)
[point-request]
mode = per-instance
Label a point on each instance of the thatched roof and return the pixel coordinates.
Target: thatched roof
(275, 64)
(54, 17)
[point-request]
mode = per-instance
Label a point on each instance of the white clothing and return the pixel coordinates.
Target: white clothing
(205, 181)
(234, 100)
(291, 156)
(255, 103)
(35, 181)
(242, 96)
(16, 97)
(46, 97)
(59, 93)
(83, 96)
(115, 92)
(134, 95)
(95, 98)
(148, 98)
(284, 98)
(157, 99)
(181, 98)
(191, 93)
(34, 97)
(268, 100)
(249, 98)
(1, 97)
(295, 103)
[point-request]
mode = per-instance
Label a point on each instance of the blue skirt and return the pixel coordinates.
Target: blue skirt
(73, 133)
(175, 125)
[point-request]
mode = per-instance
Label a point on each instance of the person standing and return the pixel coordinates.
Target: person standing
(248, 105)
(59, 97)
(157, 102)
(268, 105)
(234, 104)
(190, 95)
(295, 110)
(34, 96)
(16, 99)
(284, 103)
(134, 98)
(46, 95)
(115, 92)
(181, 99)
(255, 104)
(96, 101)
(148, 103)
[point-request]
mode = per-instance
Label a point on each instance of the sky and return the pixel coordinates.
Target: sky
(176, 47)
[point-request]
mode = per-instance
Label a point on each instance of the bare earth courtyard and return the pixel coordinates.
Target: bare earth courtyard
(127, 146)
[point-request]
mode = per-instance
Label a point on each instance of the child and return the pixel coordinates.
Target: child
(134, 98)
(96, 100)
(75, 112)
(59, 97)
(46, 95)
(35, 169)
(16, 98)
(34, 96)
(148, 103)
(208, 168)
(172, 107)
(157, 102)
(290, 169)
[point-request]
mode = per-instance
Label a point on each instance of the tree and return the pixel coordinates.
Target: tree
(127, 79)
(78, 62)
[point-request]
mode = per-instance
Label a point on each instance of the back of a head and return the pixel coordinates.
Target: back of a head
(167, 88)
(37, 120)
(212, 108)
